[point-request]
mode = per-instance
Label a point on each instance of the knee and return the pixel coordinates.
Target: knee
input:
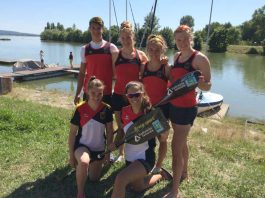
(83, 163)
(120, 180)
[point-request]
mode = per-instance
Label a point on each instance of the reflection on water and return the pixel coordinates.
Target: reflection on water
(65, 84)
(239, 78)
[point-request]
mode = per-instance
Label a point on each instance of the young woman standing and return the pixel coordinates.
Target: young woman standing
(126, 69)
(183, 110)
(155, 76)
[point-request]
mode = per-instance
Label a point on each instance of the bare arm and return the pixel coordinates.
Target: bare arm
(71, 142)
(144, 60)
(114, 57)
(80, 82)
(202, 63)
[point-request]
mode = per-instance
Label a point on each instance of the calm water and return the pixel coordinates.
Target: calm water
(239, 78)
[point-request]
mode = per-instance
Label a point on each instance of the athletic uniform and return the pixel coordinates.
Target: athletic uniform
(92, 126)
(155, 83)
(126, 70)
(183, 109)
(98, 60)
(145, 152)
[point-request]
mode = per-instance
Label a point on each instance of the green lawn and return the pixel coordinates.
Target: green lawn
(34, 154)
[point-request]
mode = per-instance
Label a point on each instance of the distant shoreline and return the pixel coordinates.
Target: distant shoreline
(14, 33)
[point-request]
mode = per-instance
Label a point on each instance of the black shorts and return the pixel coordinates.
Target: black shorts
(118, 101)
(92, 154)
(149, 162)
(182, 116)
(106, 99)
(165, 109)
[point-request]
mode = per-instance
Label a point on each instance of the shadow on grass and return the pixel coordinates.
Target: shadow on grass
(62, 184)
(57, 185)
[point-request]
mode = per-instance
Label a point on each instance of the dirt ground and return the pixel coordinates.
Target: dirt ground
(52, 98)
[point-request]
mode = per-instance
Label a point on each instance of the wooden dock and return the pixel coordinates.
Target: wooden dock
(216, 113)
(40, 73)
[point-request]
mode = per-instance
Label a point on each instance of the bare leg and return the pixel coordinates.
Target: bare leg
(186, 159)
(162, 151)
(83, 159)
(119, 124)
(178, 142)
(135, 174)
(95, 169)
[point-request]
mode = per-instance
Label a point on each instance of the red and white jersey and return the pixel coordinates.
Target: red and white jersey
(134, 152)
(92, 125)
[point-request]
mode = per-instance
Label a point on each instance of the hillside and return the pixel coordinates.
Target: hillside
(13, 33)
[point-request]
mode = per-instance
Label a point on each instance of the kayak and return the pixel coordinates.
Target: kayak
(207, 101)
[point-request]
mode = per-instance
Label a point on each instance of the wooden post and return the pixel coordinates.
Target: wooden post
(6, 84)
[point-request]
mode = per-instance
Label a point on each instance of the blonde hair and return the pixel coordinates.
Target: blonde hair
(126, 27)
(94, 82)
(186, 29)
(146, 104)
(157, 40)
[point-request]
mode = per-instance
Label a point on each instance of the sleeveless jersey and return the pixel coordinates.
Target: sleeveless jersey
(134, 152)
(155, 83)
(126, 70)
(99, 64)
(178, 70)
(91, 124)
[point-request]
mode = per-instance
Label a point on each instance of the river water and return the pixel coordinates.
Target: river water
(239, 78)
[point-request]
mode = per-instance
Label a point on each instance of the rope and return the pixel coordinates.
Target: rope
(114, 8)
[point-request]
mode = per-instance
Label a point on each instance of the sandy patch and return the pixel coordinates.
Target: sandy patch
(52, 98)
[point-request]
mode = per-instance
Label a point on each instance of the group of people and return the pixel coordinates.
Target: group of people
(141, 80)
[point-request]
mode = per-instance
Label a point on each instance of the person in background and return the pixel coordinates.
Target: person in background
(42, 57)
(97, 58)
(183, 110)
(155, 76)
(126, 68)
(71, 58)
(87, 136)
(139, 158)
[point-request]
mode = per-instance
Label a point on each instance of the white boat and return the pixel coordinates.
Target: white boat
(208, 101)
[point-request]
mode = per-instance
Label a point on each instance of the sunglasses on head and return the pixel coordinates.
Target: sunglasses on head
(133, 95)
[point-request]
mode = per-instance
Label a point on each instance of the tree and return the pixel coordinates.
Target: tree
(187, 20)
(253, 30)
(197, 41)
(233, 36)
(218, 40)
(168, 35)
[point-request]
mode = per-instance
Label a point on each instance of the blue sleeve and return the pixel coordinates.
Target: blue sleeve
(76, 118)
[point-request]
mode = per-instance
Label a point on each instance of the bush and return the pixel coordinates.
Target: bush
(252, 50)
(218, 40)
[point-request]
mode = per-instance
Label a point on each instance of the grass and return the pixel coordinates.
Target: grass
(245, 49)
(226, 160)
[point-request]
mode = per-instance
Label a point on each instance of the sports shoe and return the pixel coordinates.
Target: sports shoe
(155, 170)
(112, 157)
(166, 175)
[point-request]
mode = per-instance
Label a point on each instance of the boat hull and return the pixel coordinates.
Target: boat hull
(208, 101)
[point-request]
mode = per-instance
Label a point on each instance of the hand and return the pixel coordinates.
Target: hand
(164, 60)
(77, 99)
(107, 159)
(112, 147)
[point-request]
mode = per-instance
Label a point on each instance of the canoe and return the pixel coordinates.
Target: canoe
(207, 101)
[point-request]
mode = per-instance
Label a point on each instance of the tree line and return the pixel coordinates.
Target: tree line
(251, 32)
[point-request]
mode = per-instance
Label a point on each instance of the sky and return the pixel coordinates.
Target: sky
(31, 16)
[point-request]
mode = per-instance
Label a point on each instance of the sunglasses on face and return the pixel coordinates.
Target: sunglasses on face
(133, 95)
